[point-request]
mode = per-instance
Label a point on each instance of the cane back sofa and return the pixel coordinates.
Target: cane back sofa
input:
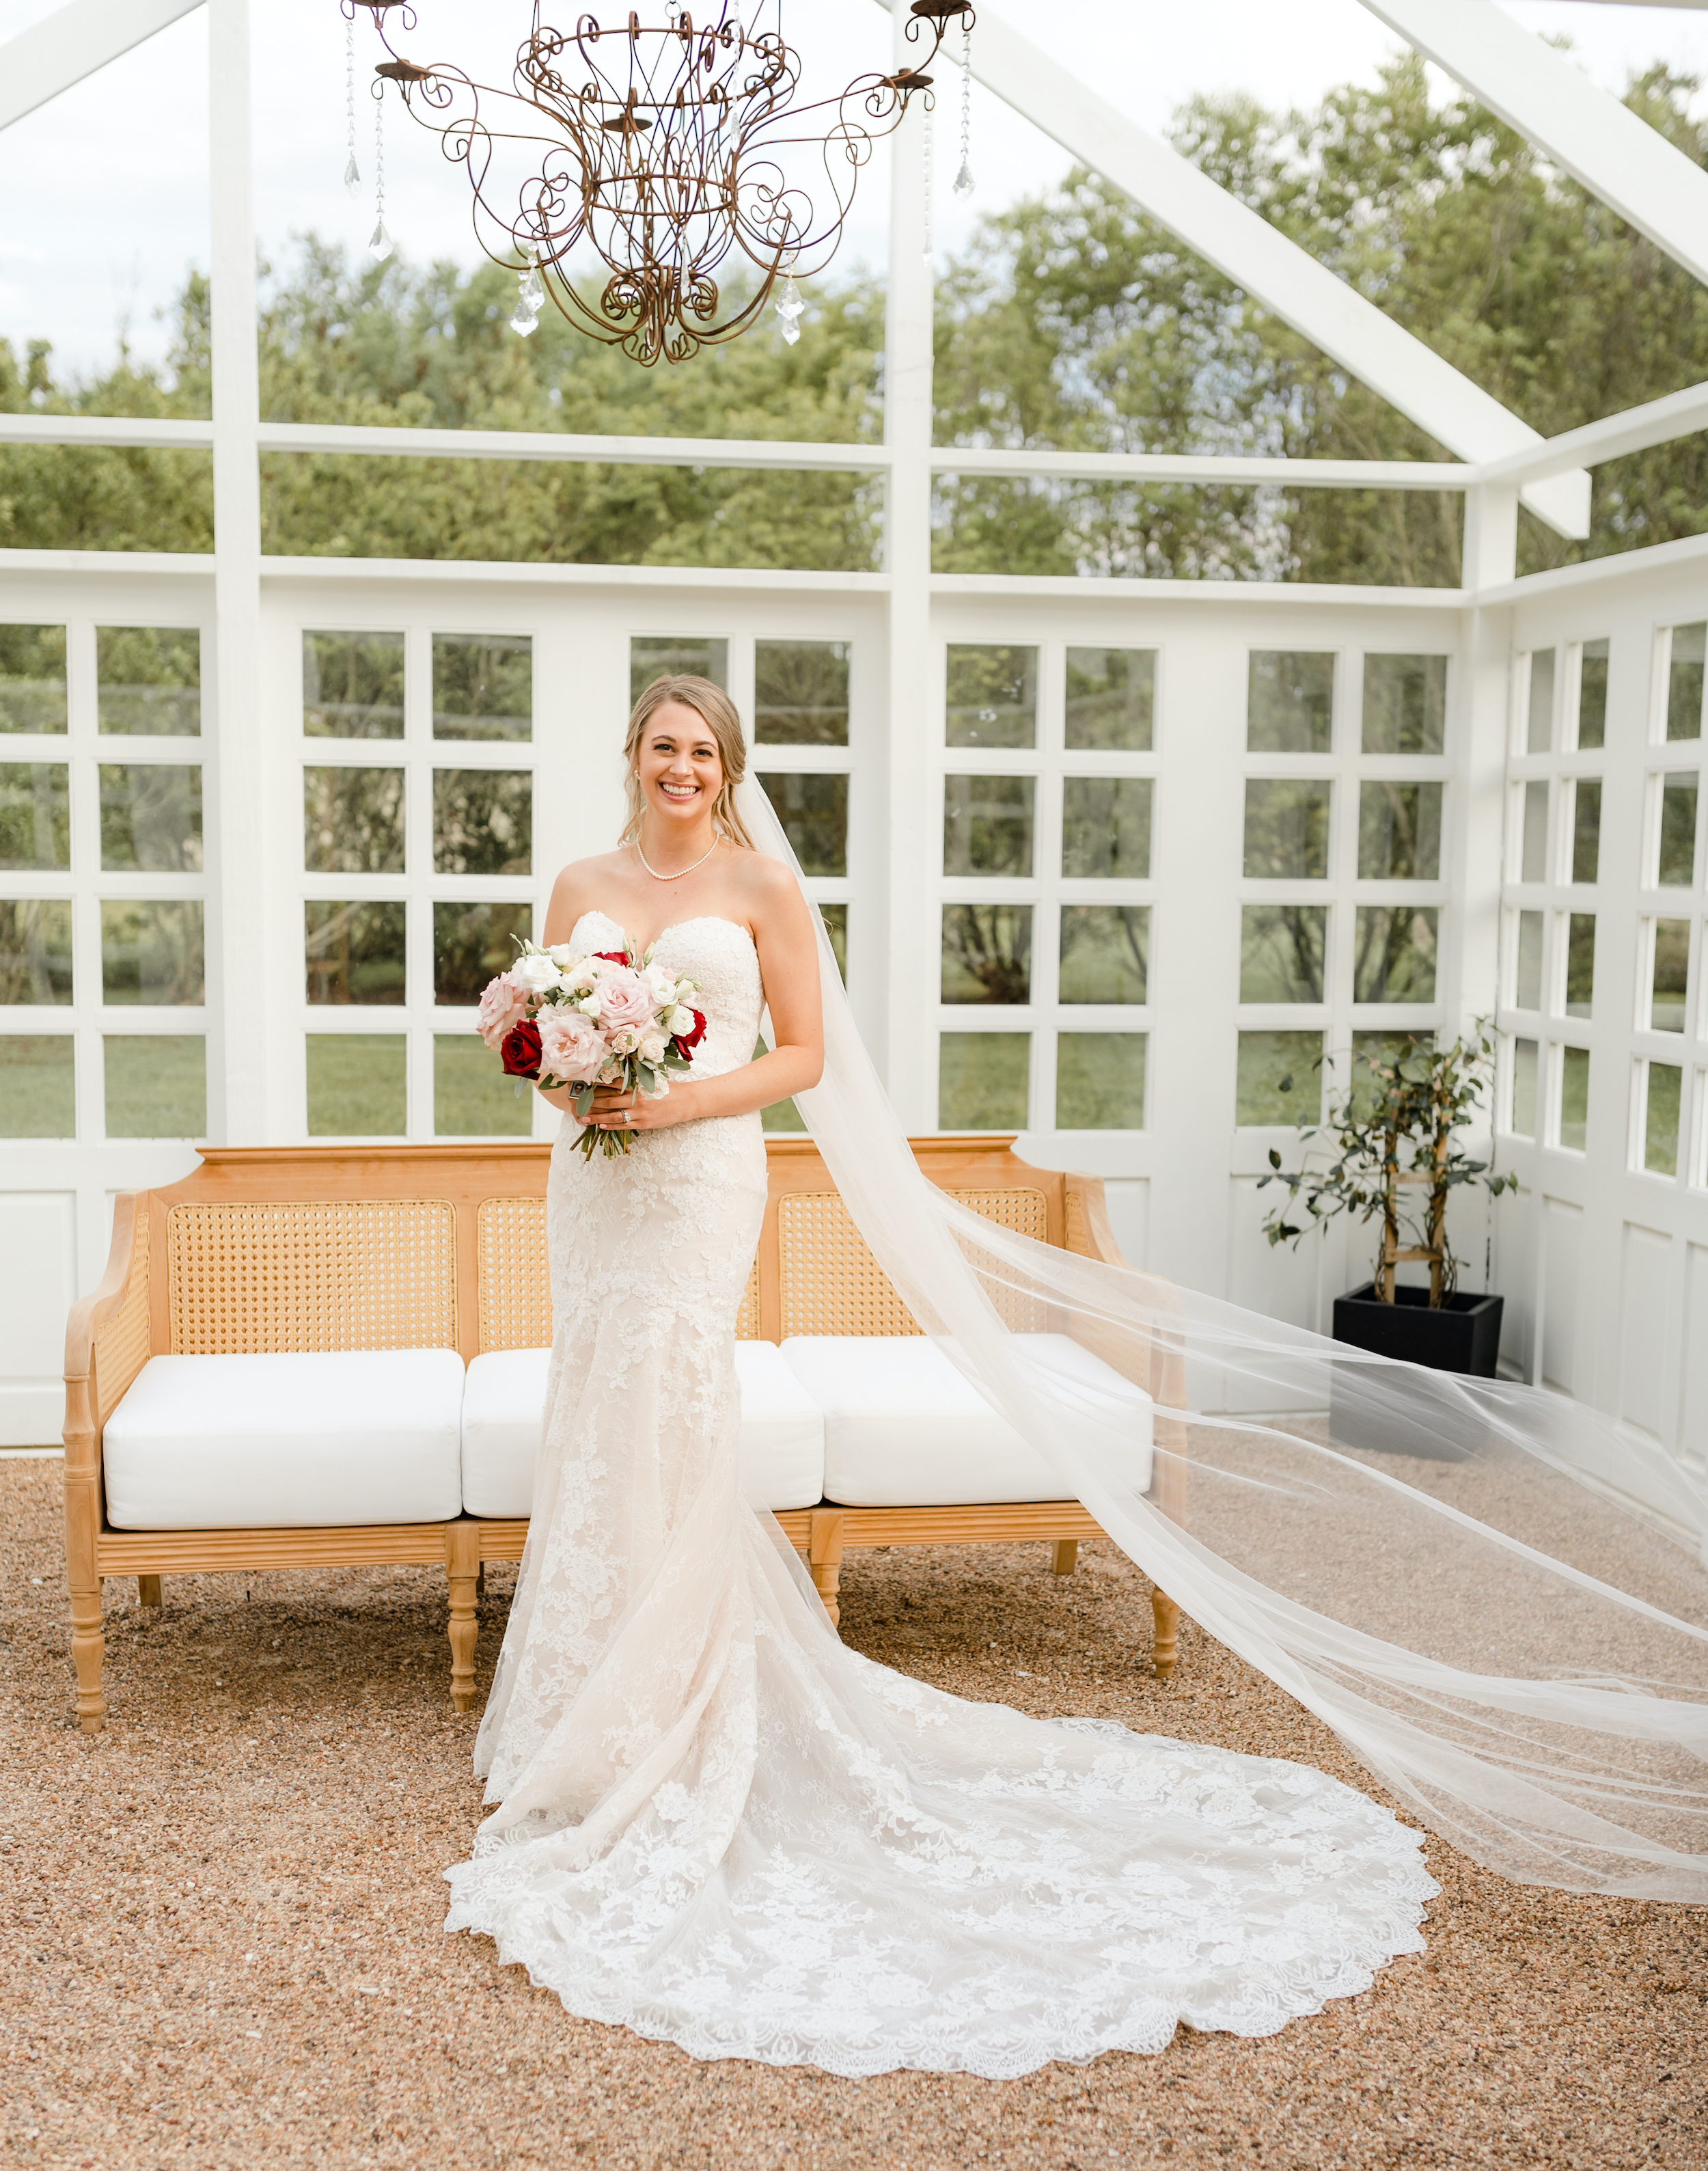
(436, 1249)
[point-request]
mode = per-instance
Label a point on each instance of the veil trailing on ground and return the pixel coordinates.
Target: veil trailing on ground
(1496, 1598)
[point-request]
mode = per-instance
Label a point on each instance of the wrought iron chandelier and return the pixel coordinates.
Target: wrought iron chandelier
(662, 147)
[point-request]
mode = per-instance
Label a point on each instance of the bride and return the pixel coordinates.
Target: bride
(720, 1827)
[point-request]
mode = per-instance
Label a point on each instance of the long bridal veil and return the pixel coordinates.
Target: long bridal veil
(1495, 1596)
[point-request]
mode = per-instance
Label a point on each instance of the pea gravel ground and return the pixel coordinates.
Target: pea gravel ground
(222, 1940)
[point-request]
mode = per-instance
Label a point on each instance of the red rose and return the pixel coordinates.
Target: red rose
(519, 1049)
(687, 1042)
(613, 956)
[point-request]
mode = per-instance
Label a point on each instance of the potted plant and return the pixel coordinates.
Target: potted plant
(1398, 1160)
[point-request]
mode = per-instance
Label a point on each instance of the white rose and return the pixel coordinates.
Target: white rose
(590, 1004)
(536, 973)
(652, 1045)
(563, 955)
(681, 1020)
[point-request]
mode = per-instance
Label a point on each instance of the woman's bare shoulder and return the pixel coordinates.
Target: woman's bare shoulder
(583, 875)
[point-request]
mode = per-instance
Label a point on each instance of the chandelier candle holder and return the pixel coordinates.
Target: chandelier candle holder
(664, 151)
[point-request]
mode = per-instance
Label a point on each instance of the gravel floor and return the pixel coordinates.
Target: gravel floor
(222, 1942)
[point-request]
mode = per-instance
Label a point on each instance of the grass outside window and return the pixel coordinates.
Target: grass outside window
(472, 1096)
(983, 1082)
(1663, 1093)
(1278, 1079)
(1574, 1098)
(1100, 1081)
(37, 1086)
(156, 1085)
(358, 1085)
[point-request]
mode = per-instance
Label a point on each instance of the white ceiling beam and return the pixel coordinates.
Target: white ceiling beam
(1265, 264)
(1637, 429)
(79, 38)
(1546, 97)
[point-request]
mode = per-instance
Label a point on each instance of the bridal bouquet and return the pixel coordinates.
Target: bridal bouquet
(605, 1017)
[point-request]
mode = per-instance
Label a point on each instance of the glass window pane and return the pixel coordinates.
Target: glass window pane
(1394, 954)
(835, 919)
(1279, 1079)
(1281, 952)
(1398, 831)
(151, 952)
(483, 686)
(1286, 827)
(1111, 699)
(983, 1081)
(35, 814)
(353, 953)
(1538, 733)
(1586, 829)
(1664, 1091)
(150, 817)
(149, 682)
(1671, 981)
(987, 825)
(1580, 964)
(357, 1085)
(35, 950)
(1524, 1069)
(1533, 865)
(1684, 682)
(987, 953)
(472, 1097)
(353, 685)
(32, 678)
(1105, 827)
(800, 692)
(353, 821)
(813, 811)
(1100, 1081)
(38, 1082)
(993, 696)
(1289, 702)
(1677, 856)
(1106, 953)
(1405, 704)
(1574, 1097)
(668, 655)
(156, 1087)
(1591, 695)
(1527, 982)
(482, 821)
(471, 943)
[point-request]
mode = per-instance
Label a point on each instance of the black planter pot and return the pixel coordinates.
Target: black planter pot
(1463, 1336)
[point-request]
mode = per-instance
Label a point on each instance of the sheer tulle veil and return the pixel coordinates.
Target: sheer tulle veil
(1495, 1596)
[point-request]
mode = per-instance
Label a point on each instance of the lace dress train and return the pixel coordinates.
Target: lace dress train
(721, 1827)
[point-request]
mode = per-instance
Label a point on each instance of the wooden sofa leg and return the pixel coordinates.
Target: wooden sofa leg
(1166, 1647)
(148, 1591)
(462, 1572)
(824, 1558)
(1064, 1556)
(88, 1650)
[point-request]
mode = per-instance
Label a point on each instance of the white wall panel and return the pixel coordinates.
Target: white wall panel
(1564, 1364)
(1643, 1328)
(1128, 1199)
(1693, 1430)
(38, 1282)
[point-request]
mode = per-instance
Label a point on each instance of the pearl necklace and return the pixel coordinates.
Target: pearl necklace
(680, 871)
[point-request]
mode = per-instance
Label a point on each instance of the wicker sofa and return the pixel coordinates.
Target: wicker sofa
(368, 1278)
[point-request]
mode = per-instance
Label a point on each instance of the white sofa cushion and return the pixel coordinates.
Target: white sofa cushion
(902, 1429)
(241, 1443)
(782, 1443)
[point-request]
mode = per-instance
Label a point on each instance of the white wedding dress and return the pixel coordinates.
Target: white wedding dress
(721, 1827)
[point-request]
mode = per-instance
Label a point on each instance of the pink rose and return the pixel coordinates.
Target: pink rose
(503, 1005)
(570, 1046)
(625, 1001)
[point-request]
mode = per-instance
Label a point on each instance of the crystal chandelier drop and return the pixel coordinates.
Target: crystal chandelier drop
(664, 152)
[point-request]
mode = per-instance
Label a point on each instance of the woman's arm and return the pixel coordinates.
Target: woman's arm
(788, 946)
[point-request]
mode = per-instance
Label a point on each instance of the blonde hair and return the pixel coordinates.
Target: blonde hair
(722, 719)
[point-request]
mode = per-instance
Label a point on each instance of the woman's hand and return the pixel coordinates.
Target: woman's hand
(615, 1108)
